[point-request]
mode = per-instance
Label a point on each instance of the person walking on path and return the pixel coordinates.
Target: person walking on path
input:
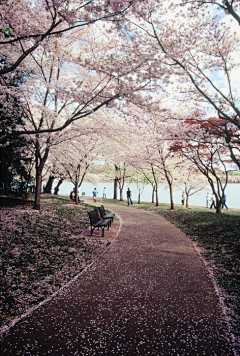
(213, 200)
(207, 200)
(224, 201)
(104, 193)
(183, 198)
(95, 193)
(129, 196)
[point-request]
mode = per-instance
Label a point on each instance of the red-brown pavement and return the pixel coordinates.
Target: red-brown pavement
(148, 294)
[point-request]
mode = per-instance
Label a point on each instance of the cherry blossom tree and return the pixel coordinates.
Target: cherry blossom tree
(116, 134)
(147, 175)
(156, 181)
(60, 181)
(230, 8)
(53, 171)
(144, 163)
(116, 158)
(191, 180)
(27, 25)
(194, 55)
(142, 139)
(167, 167)
(210, 156)
(94, 51)
(63, 90)
(140, 180)
(77, 156)
(120, 176)
(156, 138)
(157, 166)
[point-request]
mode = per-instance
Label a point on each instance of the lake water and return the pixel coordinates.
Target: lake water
(199, 199)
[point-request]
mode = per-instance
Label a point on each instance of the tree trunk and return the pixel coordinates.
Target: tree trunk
(48, 188)
(156, 191)
(218, 206)
(39, 164)
(76, 193)
(29, 177)
(56, 189)
(155, 185)
(38, 188)
(115, 188)
(139, 196)
(121, 194)
(169, 180)
(187, 200)
(218, 202)
(153, 192)
(171, 197)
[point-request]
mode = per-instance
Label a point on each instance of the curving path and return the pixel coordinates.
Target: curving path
(148, 294)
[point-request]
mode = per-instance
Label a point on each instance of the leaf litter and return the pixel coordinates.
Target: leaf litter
(41, 251)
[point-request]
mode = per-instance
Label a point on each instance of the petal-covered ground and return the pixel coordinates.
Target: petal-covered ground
(148, 294)
(41, 251)
(217, 237)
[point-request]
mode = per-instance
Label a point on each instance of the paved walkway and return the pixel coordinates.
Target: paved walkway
(148, 294)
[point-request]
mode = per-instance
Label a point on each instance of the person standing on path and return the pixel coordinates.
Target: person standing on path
(129, 196)
(104, 193)
(224, 201)
(95, 193)
(183, 198)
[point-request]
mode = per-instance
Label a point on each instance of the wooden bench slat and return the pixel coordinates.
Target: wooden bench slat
(104, 215)
(96, 221)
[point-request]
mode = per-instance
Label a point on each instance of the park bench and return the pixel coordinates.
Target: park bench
(96, 221)
(104, 215)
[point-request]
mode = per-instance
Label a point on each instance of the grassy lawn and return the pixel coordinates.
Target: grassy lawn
(41, 251)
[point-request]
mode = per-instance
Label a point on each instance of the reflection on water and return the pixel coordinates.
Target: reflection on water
(199, 199)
